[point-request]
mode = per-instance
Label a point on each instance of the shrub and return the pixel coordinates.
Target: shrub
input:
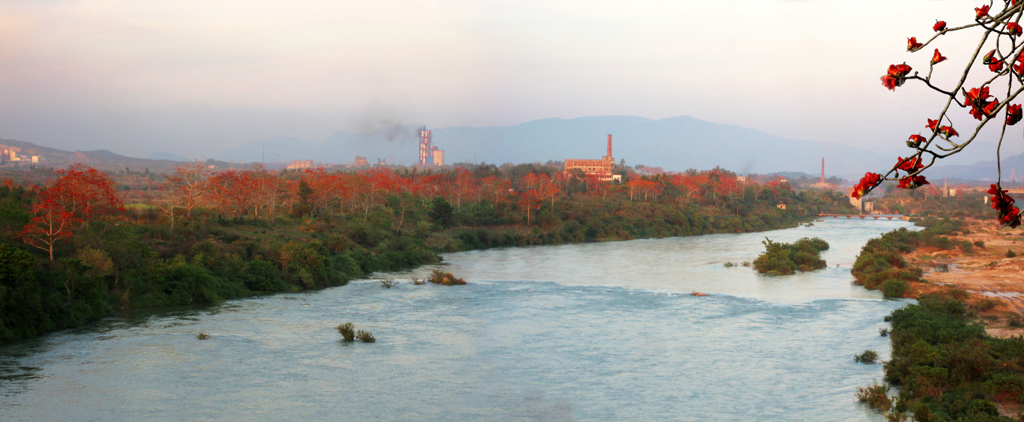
(365, 337)
(347, 331)
(884, 332)
(869, 356)
(985, 305)
(1010, 253)
(786, 258)
(202, 336)
(895, 288)
(876, 396)
(445, 279)
(261, 276)
(387, 283)
(979, 243)
(1015, 321)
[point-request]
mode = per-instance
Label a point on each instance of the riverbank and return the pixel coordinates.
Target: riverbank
(956, 353)
(986, 273)
(138, 257)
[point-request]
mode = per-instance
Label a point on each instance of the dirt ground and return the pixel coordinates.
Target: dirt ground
(985, 273)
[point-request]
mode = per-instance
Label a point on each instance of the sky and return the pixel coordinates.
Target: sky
(197, 77)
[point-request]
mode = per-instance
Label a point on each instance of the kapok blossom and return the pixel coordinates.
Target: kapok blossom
(896, 75)
(1003, 203)
(1013, 114)
(868, 182)
(915, 141)
(981, 12)
(913, 45)
(1014, 29)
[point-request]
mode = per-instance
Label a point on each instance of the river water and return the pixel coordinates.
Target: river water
(593, 332)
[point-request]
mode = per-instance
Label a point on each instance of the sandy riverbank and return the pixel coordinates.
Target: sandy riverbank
(985, 272)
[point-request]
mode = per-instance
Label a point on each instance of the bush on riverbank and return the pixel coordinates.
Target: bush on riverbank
(787, 258)
(947, 367)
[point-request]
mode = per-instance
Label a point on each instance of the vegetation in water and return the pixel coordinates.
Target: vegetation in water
(365, 337)
(787, 258)
(347, 331)
(445, 278)
(868, 356)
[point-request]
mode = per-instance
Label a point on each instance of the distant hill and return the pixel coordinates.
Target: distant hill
(982, 170)
(100, 159)
(675, 144)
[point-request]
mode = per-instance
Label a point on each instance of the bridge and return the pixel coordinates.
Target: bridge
(864, 216)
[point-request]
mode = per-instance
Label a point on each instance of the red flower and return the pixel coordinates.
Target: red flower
(1019, 65)
(913, 45)
(994, 63)
(981, 11)
(912, 182)
(948, 131)
(909, 165)
(937, 58)
(939, 26)
(990, 109)
(978, 100)
(989, 57)
(1014, 29)
(1008, 214)
(932, 124)
(915, 140)
(1013, 114)
(868, 182)
(896, 75)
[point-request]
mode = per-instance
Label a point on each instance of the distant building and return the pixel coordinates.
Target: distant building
(602, 168)
(361, 161)
(430, 155)
(300, 165)
(9, 154)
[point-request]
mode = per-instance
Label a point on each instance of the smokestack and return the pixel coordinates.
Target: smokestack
(609, 145)
(823, 170)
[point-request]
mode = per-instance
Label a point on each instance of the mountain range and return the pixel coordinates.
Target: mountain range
(675, 144)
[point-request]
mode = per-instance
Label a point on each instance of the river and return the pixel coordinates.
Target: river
(592, 332)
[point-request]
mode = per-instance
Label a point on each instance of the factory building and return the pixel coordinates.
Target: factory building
(602, 168)
(430, 155)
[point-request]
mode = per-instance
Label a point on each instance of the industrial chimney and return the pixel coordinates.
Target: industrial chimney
(609, 145)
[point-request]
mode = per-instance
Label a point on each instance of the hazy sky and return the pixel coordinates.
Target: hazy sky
(196, 77)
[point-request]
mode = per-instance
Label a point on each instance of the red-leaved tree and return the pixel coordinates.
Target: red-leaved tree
(80, 194)
(999, 60)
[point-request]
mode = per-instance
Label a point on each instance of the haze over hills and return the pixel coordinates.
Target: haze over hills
(675, 144)
(982, 170)
(99, 159)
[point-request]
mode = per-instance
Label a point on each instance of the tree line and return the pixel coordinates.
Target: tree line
(87, 244)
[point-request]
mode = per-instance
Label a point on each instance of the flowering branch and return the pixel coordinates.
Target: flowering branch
(1005, 62)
